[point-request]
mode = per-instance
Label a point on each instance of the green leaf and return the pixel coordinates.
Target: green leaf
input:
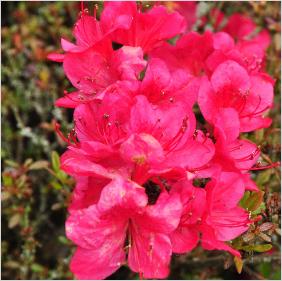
(62, 176)
(27, 162)
(12, 264)
(11, 163)
(259, 134)
(264, 177)
(255, 200)
(14, 220)
(55, 161)
(265, 237)
(262, 248)
(56, 185)
(277, 275)
(38, 165)
(21, 181)
(245, 199)
(265, 269)
(257, 248)
(252, 201)
(238, 264)
(56, 206)
(259, 209)
(37, 267)
(7, 180)
(63, 240)
(248, 236)
(266, 226)
(5, 195)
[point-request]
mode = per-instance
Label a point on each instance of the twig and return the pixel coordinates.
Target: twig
(253, 273)
(219, 260)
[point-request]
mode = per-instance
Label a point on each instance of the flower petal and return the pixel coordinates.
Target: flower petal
(149, 254)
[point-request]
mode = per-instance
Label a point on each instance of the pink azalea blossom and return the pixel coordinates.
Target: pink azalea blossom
(163, 85)
(96, 71)
(231, 153)
(230, 86)
(147, 30)
(189, 53)
(151, 143)
(88, 31)
(213, 212)
(122, 216)
(243, 28)
(140, 144)
(248, 53)
(188, 9)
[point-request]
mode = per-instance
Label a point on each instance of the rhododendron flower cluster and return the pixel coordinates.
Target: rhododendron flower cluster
(152, 120)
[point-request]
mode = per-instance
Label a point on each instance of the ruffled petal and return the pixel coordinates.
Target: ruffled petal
(76, 164)
(184, 239)
(149, 254)
(163, 216)
(96, 264)
(209, 242)
(123, 194)
(230, 74)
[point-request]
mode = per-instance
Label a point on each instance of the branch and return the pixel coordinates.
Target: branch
(219, 260)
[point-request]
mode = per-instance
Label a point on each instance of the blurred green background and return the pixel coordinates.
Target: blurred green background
(35, 193)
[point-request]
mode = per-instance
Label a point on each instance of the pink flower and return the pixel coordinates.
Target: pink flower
(213, 212)
(136, 140)
(98, 70)
(248, 53)
(188, 9)
(231, 153)
(163, 85)
(88, 31)
(216, 16)
(230, 86)
(243, 28)
(137, 150)
(147, 30)
(189, 53)
(123, 216)
(86, 192)
(239, 26)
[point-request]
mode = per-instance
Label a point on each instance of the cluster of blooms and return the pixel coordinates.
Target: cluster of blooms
(137, 151)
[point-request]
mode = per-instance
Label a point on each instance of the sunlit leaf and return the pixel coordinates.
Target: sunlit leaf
(238, 264)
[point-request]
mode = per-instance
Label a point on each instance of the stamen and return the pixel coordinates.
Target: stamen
(206, 166)
(236, 148)
(256, 168)
(250, 156)
(242, 105)
(139, 7)
(255, 112)
(60, 134)
(245, 223)
(195, 134)
(80, 99)
(96, 7)
(155, 125)
(71, 136)
(172, 144)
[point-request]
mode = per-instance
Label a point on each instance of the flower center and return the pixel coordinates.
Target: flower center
(153, 191)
